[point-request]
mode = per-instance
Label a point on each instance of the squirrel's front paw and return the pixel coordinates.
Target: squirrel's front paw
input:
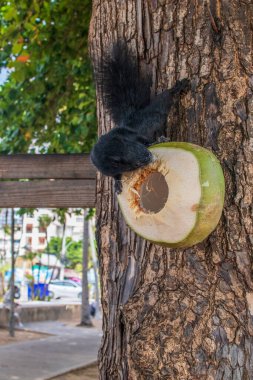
(182, 85)
(162, 139)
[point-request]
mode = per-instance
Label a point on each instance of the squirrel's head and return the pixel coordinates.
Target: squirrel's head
(119, 151)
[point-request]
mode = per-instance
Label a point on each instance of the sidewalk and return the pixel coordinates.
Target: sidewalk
(70, 347)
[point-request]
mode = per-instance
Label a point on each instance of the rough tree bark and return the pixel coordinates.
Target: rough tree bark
(183, 314)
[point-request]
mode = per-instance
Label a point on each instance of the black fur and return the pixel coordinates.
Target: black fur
(139, 121)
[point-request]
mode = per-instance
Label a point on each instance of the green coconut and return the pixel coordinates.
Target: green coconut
(176, 200)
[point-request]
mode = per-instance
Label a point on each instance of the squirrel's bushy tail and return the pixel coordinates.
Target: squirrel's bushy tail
(123, 88)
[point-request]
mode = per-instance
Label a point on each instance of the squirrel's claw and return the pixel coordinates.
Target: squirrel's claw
(118, 185)
(162, 139)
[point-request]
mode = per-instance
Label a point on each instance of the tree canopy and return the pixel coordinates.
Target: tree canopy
(47, 103)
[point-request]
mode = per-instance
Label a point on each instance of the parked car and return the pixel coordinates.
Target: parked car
(75, 279)
(65, 289)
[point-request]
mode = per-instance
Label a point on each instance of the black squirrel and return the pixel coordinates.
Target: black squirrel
(138, 120)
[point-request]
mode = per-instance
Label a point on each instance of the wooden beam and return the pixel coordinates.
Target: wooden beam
(61, 166)
(48, 193)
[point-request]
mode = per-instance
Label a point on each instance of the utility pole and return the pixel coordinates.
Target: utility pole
(12, 282)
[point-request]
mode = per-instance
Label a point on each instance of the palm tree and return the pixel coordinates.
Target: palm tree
(44, 222)
(62, 218)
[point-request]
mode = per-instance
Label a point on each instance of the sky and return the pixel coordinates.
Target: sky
(3, 75)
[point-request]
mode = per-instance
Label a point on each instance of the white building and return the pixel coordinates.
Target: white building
(29, 236)
(5, 233)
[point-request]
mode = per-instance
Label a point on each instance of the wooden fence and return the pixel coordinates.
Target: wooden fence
(50, 180)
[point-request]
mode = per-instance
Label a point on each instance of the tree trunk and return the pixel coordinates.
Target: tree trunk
(85, 309)
(12, 279)
(63, 251)
(95, 264)
(183, 314)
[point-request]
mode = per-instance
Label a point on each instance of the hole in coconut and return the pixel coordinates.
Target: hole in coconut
(154, 193)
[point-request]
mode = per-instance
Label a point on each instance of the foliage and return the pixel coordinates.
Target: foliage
(61, 214)
(54, 246)
(47, 104)
(73, 250)
(4, 267)
(45, 221)
(30, 256)
(7, 229)
(74, 253)
(26, 211)
(90, 213)
(29, 277)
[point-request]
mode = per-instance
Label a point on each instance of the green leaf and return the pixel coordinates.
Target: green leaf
(51, 95)
(11, 13)
(18, 75)
(16, 48)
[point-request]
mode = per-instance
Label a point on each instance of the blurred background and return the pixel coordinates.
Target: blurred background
(47, 105)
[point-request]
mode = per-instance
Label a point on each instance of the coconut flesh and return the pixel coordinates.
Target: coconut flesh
(177, 200)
